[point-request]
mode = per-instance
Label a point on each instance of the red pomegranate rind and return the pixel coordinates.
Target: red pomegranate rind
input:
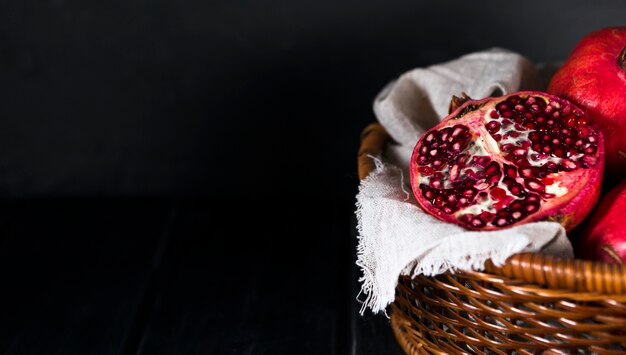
(604, 236)
(594, 78)
(497, 162)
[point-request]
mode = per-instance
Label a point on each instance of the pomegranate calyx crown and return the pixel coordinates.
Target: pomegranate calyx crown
(456, 101)
(621, 59)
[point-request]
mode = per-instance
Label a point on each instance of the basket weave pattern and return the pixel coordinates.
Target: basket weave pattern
(532, 304)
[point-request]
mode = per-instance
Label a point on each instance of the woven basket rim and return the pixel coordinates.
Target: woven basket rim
(596, 279)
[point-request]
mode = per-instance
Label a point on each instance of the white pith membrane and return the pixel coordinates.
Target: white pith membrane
(522, 148)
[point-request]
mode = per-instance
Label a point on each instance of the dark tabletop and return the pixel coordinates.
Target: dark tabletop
(118, 276)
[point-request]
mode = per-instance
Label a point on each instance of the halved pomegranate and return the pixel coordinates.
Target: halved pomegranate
(497, 162)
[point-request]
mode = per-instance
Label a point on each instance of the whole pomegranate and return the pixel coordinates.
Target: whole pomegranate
(594, 78)
(604, 235)
(497, 162)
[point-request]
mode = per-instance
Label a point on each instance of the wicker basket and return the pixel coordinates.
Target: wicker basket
(533, 304)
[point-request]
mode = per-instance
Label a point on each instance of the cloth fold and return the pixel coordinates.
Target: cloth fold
(395, 236)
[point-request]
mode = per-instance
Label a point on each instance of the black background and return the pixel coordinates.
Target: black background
(230, 98)
(179, 146)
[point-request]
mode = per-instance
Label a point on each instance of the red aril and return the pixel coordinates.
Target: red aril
(594, 78)
(497, 162)
(604, 235)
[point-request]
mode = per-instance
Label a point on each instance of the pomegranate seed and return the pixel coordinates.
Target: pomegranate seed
(477, 222)
(506, 114)
(582, 121)
(569, 165)
(571, 153)
(540, 119)
(498, 193)
(551, 166)
(502, 106)
(494, 114)
(534, 136)
(570, 121)
(454, 172)
(497, 137)
(582, 132)
(458, 130)
(433, 152)
(535, 185)
(592, 139)
(519, 108)
(500, 222)
(567, 109)
(492, 168)
(430, 136)
(426, 170)
(558, 152)
(510, 171)
(507, 147)
(527, 172)
(495, 177)
(516, 215)
(531, 208)
(469, 192)
(481, 186)
(514, 99)
(481, 160)
(493, 126)
(590, 149)
(519, 152)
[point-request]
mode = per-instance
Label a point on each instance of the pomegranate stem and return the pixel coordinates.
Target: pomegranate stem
(621, 59)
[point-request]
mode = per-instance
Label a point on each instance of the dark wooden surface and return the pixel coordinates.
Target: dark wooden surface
(181, 277)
